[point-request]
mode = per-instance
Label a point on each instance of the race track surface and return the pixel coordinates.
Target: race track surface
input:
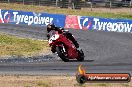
(105, 52)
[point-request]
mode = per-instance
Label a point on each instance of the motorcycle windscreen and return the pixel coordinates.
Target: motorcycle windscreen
(52, 32)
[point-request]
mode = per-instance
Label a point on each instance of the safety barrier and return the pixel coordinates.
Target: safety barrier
(67, 21)
(96, 23)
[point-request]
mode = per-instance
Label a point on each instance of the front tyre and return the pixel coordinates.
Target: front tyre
(80, 55)
(61, 53)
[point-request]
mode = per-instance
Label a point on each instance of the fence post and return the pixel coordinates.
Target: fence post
(91, 6)
(23, 2)
(110, 4)
(56, 3)
(130, 5)
(8, 1)
(39, 3)
(73, 5)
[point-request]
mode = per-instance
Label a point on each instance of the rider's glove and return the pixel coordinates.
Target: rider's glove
(48, 36)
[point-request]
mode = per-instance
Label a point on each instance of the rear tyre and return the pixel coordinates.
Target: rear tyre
(80, 55)
(61, 54)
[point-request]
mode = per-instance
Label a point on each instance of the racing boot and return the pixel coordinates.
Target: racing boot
(53, 50)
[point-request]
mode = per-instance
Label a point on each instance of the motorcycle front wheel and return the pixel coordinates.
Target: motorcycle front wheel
(80, 55)
(62, 54)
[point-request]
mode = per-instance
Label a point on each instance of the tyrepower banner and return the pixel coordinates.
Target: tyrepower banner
(104, 24)
(69, 21)
(31, 18)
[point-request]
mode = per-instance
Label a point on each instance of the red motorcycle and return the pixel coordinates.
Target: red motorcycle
(65, 48)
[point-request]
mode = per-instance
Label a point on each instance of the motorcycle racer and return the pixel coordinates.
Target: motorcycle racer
(51, 29)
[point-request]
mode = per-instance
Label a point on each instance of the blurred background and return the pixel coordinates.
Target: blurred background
(76, 4)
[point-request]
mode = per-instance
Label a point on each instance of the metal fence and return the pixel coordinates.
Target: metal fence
(75, 4)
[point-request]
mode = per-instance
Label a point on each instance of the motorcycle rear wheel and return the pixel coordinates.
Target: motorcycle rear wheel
(61, 54)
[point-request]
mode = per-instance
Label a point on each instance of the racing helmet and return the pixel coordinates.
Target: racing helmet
(50, 27)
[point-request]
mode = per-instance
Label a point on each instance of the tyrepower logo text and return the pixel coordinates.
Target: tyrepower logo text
(112, 26)
(83, 77)
(31, 19)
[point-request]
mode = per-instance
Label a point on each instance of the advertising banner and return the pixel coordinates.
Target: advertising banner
(69, 21)
(78, 22)
(31, 18)
(72, 22)
(116, 25)
(104, 24)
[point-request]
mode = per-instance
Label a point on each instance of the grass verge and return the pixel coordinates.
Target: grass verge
(51, 81)
(114, 13)
(13, 46)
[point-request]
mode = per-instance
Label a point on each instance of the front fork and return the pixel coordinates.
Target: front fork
(53, 48)
(63, 48)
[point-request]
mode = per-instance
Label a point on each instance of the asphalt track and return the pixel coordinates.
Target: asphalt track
(105, 52)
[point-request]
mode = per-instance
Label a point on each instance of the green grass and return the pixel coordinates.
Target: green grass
(13, 46)
(27, 86)
(83, 12)
(103, 85)
(44, 84)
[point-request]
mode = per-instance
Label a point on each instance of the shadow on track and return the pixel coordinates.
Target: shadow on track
(41, 58)
(81, 61)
